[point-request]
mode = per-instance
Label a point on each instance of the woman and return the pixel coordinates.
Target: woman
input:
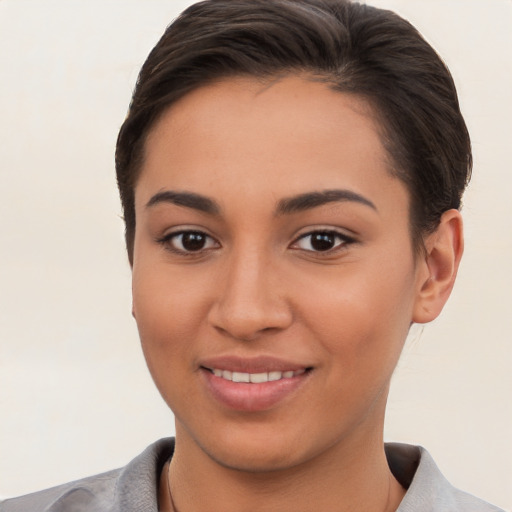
(291, 175)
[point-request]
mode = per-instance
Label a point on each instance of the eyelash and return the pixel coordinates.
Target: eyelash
(341, 241)
(167, 242)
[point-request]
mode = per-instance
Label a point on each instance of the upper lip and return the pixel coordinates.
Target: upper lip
(257, 364)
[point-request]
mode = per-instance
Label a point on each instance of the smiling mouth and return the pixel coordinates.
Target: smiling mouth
(253, 385)
(256, 378)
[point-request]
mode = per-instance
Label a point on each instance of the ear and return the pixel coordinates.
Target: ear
(438, 267)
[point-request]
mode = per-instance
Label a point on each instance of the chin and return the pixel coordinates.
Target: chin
(254, 459)
(263, 448)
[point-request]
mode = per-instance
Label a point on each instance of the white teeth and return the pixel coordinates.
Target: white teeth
(241, 377)
(256, 378)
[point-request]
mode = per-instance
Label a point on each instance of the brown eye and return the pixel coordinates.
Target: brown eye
(193, 241)
(189, 241)
(322, 241)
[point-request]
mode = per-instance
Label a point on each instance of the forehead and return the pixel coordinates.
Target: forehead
(293, 132)
(304, 100)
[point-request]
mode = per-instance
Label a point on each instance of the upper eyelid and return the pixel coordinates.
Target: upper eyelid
(345, 242)
(179, 230)
(170, 235)
(331, 230)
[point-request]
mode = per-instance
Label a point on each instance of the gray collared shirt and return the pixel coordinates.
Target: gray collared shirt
(134, 488)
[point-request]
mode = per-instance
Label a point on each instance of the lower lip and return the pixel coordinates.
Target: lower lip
(242, 396)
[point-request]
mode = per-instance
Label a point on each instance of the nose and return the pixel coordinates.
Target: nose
(249, 300)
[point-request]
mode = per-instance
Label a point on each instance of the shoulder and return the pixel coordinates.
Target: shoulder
(131, 488)
(427, 488)
(86, 494)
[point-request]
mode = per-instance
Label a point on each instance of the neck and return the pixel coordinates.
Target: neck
(348, 477)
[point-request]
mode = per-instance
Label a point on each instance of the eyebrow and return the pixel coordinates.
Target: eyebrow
(285, 206)
(187, 199)
(314, 199)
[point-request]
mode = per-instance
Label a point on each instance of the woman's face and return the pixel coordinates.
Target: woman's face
(272, 246)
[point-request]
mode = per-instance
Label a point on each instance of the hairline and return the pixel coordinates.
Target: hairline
(370, 109)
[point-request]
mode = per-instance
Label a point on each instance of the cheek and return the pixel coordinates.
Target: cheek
(168, 311)
(362, 317)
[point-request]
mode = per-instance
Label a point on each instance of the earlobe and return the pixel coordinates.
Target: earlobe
(443, 251)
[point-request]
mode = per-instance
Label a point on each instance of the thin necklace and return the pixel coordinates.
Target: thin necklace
(174, 509)
(171, 502)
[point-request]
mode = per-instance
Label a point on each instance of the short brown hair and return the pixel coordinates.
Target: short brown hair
(355, 48)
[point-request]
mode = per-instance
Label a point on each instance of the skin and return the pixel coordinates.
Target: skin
(258, 287)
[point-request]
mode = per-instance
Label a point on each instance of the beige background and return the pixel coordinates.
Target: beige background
(75, 396)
